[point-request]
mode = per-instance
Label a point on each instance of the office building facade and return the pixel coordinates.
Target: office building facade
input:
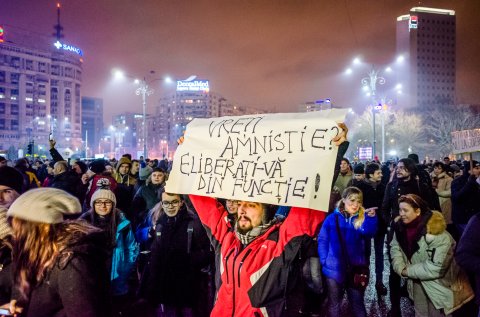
(427, 39)
(40, 91)
(92, 124)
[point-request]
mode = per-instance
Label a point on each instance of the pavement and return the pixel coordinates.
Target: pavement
(379, 306)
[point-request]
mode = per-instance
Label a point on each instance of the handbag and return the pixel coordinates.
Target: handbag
(357, 275)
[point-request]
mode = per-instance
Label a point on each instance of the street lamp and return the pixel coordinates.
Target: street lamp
(371, 82)
(369, 86)
(144, 90)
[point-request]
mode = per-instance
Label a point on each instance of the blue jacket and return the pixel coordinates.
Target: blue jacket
(124, 257)
(329, 246)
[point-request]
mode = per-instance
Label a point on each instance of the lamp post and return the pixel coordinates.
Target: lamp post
(144, 91)
(371, 82)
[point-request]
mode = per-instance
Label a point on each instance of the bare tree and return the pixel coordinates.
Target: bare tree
(441, 121)
(406, 131)
(426, 132)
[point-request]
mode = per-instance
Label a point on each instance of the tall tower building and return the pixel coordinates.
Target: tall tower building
(426, 38)
(92, 123)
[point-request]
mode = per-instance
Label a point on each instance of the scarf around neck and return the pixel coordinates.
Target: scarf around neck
(246, 238)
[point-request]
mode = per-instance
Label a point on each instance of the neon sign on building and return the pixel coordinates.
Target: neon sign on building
(2, 34)
(193, 85)
(413, 23)
(66, 47)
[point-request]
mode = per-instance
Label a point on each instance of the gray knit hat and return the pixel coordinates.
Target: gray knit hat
(45, 205)
(102, 193)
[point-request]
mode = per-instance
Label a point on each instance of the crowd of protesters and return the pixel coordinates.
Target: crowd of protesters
(103, 238)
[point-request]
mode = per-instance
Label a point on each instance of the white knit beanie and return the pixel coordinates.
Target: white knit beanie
(45, 205)
(102, 193)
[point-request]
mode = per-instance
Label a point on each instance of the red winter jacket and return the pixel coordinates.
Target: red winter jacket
(255, 278)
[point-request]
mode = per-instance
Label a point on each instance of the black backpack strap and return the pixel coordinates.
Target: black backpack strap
(189, 235)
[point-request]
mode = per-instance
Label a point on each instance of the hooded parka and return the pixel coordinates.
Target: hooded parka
(432, 263)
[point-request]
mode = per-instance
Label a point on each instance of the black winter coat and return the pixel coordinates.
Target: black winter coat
(69, 182)
(76, 286)
(373, 197)
(173, 276)
(465, 194)
(6, 273)
(397, 188)
(468, 252)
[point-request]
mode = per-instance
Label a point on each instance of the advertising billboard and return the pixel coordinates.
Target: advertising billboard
(365, 153)
(193, 85)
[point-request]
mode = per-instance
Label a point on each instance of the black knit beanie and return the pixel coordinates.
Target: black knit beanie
(12, 178)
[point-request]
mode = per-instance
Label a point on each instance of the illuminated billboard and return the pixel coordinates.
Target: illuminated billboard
(365, 153)
(193, 85)
(413, 23)
(67, 47)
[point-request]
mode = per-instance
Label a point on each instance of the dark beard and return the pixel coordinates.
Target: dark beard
(243, 231)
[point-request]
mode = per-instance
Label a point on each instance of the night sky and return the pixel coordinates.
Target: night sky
(267, 54)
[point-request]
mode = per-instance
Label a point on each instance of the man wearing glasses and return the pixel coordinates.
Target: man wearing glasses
(180, 249)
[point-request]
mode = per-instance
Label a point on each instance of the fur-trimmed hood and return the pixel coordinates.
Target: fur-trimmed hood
(436, 225)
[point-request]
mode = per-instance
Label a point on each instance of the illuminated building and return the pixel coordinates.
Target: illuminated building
(92, 123)
(40, 87)
(318, 105)
(174, 111)
(426, 37)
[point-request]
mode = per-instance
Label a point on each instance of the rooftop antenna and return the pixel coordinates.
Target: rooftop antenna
(58, 27)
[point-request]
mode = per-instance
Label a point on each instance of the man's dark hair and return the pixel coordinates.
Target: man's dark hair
(171, 194)
(446, 158)
(409, 165)
(439, 164)
(414, 157)
(127, 155)
(370, 169)
(269, 212)
(346, 160)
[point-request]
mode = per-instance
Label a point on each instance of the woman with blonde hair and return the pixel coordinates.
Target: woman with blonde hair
(341, 248)
(59, 266)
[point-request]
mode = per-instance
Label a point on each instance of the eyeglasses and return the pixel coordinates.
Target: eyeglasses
(104, 203)
(233, 202)
(173, 203)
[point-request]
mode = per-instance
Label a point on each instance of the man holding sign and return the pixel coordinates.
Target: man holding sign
(261, 163)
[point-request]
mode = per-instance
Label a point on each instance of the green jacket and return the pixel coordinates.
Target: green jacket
(445, 284)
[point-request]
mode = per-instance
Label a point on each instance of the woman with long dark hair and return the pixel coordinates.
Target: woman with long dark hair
(58, 265)
(422, 252)
(120, 240)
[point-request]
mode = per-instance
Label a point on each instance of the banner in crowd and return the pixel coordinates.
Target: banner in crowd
(282, 159)
(466, 141)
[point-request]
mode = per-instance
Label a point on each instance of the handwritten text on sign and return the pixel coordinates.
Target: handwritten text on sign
(466, 141)
(283, 159)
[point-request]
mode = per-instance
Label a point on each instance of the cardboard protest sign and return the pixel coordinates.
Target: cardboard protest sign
(282, 159)
(466, 141)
